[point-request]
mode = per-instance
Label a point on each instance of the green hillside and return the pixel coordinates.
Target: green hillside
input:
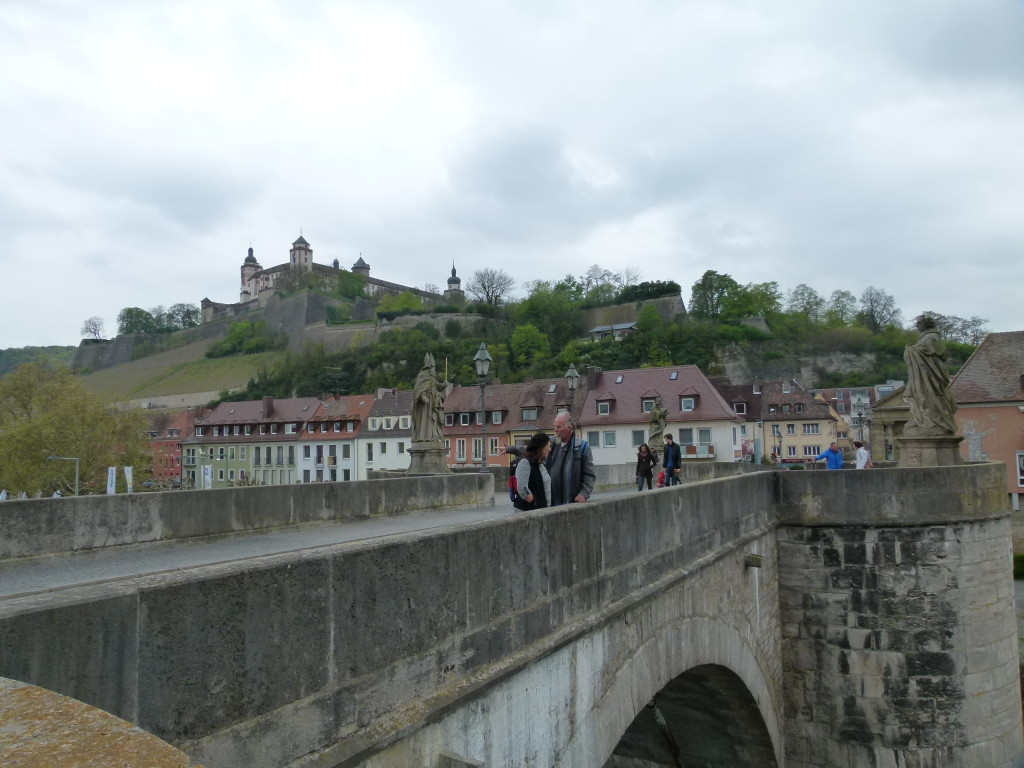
(178, 371)
(52, 356)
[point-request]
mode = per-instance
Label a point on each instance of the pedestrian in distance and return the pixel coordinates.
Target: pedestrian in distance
(861, 458)
(646, 461)
(833, 457)
(533, 483)
(672, 461)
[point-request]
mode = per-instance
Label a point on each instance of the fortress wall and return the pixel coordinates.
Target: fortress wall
(667, 306)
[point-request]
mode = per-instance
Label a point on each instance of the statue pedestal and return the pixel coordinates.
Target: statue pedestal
(929, 450)
(427, 458)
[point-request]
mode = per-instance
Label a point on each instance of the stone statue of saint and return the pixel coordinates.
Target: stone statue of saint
(659, 420)
(428, 404)
(932, 407)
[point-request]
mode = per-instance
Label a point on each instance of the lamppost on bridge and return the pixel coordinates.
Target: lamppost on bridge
(77, 465)
(482, 361)
(861, 418)
(573, 378)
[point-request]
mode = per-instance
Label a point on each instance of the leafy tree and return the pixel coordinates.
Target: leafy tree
(46, 412)
(530, 345)
(406, 301)
(957, 329)
(649, 290)
(753, 300)
(182, 316)
(491, 286)
(93, 327)
(246, 337)
(711, 294)
(550, 308)
(841, 308)
(349, 285)
(806, 301)
(878, 310)
(136, 320)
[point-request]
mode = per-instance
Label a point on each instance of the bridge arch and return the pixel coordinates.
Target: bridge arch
(701, 662)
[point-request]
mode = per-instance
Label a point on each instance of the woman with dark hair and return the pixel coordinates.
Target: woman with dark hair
(646, 459)
(532, 479)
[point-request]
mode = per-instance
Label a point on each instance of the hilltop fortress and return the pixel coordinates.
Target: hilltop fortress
(259, 285)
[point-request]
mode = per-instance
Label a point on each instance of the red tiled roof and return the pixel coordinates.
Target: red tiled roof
(994, 373)
(629, 388)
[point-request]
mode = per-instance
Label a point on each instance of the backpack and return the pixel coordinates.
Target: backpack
(513, 492)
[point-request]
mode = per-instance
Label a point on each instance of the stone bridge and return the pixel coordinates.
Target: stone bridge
(746, 618)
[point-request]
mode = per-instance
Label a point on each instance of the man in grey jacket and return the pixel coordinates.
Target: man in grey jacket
(570, 465)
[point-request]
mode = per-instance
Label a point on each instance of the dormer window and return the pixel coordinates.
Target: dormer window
(404, 422)
(785, 388)
(527, 414)
(740, 408)
(273, 429)
(480, 418)
(373, 423)
(647, 405)
(464, 419)
(199, 431)
(757, 389)
(449, 419)
(785, 407)
(496, 417)
(687, 403)
(216, 431)
(604, 407)
(799, 407)
(289, 428)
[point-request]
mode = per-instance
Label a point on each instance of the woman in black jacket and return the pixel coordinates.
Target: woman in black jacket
(646, 460)
(533, 482)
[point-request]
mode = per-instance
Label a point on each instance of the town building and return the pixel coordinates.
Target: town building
(989, 391)
(615, 416)
(385, 442)
(329, 449)
(166, 438)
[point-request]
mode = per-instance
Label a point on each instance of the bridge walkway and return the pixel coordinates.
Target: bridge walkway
(51, 573)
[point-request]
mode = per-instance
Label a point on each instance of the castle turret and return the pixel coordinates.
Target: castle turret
(454, 294)
(361, 268)
(301, 255)
(249, 268)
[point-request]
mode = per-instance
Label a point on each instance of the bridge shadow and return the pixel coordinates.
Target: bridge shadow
(704, 717)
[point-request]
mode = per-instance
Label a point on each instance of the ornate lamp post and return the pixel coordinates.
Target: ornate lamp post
(77, 465)
(482, 361)
(574, 381)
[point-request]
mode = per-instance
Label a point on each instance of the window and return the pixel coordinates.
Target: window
(310, 427)
(216, 431)
(369, 452)
(493, 448)
(305, 475)
(460, 449)
(291, 455)
(740, 408)
(346, 474)
(480, 418)
(464, 419)
(199, 431)
(263, 429)
(350, 426)
(495, 417)
(248, 429)
(231, 474)
(791, 429)
(775, 430)
(618, 379)
(231, 453)
(810, 450)
(220, 454)
(289, 429)
(401, 448)
(373, 423)
(220, 474)
(306, 451)
(686, 436)
(604, 408)
(1020, 468)
(528, 414)
(785, 387)
(404, 422)
(704, 436)
(280, 455)
(273, 429)
(609, 439)
(799, 407)
(389, 422)
(812, 429)
(686, 403)
(447, 445)
(840, 407)
(673, 376)
(594, 438)
(336, 427)
(743, 430)
(638, 438)
(323, 427)
(346, 451)
(241, 453)
(785, 407)
(383, 448)
(268, 461)
(791, 451)
(449, 419)
(478, 448)
(647, 405)
(256, 457)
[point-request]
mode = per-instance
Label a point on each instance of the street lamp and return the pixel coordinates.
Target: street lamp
(861, 418)
(574, 381)
(69, 458)
(482, 361)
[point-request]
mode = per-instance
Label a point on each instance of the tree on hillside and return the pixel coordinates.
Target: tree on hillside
(136, 320)
(806, 301)
(93, 327)
(530, 345)
(183, 316)
(406, 301)
(491, 286)
(841, 308)
(958, 329)
(45, 413)
(711, 294)
(878, 310)
(550, 308)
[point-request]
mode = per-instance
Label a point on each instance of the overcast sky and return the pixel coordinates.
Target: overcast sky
(842, 144)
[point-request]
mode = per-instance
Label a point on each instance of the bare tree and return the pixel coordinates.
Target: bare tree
(491, 286)
(93, 328)
(878, 310)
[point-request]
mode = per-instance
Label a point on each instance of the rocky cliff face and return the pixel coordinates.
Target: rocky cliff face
(743, 366)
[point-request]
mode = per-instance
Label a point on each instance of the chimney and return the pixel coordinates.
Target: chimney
(268, 406)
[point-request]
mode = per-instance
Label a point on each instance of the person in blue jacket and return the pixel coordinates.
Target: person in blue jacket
(833, 457)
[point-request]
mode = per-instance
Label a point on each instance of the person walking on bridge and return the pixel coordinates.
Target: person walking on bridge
(833, 457)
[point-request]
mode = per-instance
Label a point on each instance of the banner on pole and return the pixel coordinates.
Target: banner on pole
(207, 477)
(111, 481)
(128, 479)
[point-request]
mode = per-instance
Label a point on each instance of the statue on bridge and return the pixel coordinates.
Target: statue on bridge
(659, 421)
(929, 438)
(428, 404)
(932, 407)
